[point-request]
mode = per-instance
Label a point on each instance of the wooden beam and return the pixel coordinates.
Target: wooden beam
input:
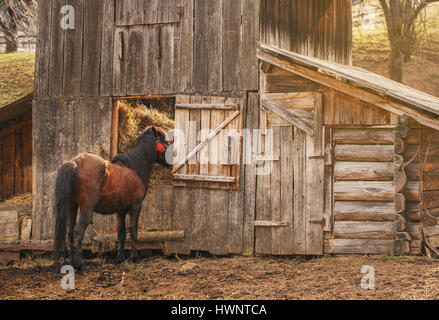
(364, 211)
(114, 134)
(359, 246)
(346, 88)
(364, 191)
(270, 224)
(207, 106)
(189, 177)
(364, 153)
(364, 230)
(366, 171)
(364, 136)
(288, 115)
(154, 236)
(44, 245)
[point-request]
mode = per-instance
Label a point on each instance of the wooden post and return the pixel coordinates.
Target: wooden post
(114, 134)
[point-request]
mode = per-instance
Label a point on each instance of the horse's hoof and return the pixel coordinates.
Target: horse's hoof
(119, 260)
(80, 269)
(134, 256)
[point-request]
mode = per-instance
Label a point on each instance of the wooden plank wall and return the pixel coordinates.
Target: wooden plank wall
(318, 28)
(63, 129)
(339, 109)
(78, 71)
(212, 48)
(209, 47)
(214, 220)
(79, 62)
(16, 157)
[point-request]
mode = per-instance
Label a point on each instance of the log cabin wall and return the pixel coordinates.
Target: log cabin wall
(421, 191)
(317, 28)
(429, 190)
(16, 157)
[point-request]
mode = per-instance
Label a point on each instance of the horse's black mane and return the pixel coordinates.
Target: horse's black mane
(141, 157)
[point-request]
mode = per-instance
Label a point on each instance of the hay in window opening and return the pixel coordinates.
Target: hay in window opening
(25, 198)
(135, 116)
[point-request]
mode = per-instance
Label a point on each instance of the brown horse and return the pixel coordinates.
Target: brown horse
(93, 184)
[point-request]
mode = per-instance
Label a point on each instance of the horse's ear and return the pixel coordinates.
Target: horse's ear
(154, 130)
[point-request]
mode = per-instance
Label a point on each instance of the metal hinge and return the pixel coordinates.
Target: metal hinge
(180, 11)
(320, 222)
(324, 157)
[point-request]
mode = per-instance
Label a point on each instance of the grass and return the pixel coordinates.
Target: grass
(16, 75)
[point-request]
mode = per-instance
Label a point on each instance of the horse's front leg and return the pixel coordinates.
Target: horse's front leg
(85, 219)
(121, 236)
(134, 229)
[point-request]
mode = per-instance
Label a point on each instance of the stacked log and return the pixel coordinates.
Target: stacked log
(403, 189)
(411, 135)
(364, 191)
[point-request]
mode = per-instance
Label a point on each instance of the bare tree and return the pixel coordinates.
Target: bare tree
(15, 16)
(400, 20)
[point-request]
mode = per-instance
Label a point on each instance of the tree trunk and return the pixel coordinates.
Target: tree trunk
(395, 38)
(396, 60)
(10, 30)
(11, 40)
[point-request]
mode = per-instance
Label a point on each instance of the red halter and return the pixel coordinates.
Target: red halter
(160, 148)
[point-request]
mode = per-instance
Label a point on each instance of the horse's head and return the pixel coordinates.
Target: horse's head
(162, 143)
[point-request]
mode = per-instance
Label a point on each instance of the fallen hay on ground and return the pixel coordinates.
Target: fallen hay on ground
(245, 278)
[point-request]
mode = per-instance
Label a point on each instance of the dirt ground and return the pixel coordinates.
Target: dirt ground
(158, 277)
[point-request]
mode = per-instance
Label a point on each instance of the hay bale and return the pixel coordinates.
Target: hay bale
(134, 117)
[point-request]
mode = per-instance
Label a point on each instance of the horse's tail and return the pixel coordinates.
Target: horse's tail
(64, 193)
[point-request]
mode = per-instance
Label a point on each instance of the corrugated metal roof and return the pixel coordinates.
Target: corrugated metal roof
(16, 108)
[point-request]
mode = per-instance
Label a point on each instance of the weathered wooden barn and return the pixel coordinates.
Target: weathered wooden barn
(351, 156)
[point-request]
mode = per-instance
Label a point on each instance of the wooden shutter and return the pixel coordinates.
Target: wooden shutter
(208, 153)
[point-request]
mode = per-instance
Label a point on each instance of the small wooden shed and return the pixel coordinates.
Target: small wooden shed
(367, 154)
(16, 147)
(325, 166)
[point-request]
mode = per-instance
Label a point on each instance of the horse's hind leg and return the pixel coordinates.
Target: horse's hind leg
(134, 229)
(71, 225)
(121, 236)
(85, 219)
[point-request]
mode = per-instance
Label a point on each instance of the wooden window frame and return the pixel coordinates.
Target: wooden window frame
(194, 175)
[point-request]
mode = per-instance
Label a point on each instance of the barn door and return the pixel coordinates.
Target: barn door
(290, 189)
